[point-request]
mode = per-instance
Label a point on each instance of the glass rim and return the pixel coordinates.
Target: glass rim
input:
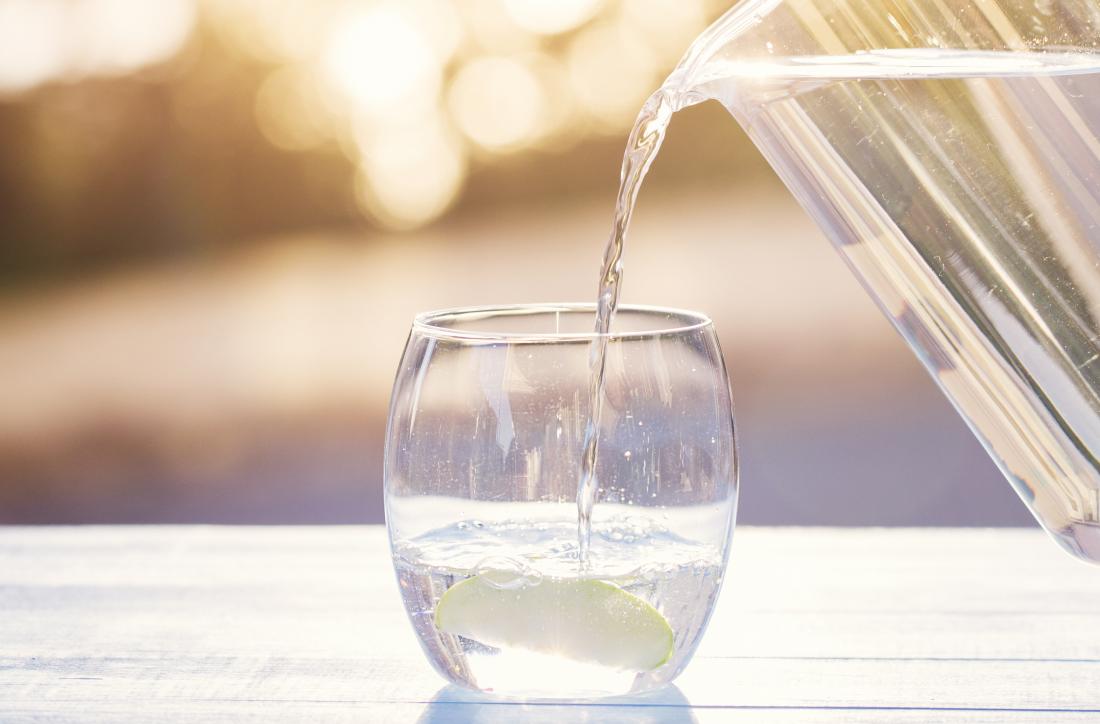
(428, 322)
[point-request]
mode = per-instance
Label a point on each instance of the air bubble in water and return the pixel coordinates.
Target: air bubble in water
(507, 574)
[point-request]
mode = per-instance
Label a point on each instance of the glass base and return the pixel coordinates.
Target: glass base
(533, 676)
(1082, 539)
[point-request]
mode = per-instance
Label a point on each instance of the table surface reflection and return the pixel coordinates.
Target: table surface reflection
(290, 623)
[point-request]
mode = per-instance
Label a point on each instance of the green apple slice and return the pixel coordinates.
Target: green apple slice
(579, 619)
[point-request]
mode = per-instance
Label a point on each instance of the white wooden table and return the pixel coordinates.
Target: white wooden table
(271, 624)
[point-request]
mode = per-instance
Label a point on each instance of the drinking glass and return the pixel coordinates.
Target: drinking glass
(483, 458)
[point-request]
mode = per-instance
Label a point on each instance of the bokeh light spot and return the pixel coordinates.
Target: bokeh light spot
(611, 71)
(668, 26)
(44, 40)
(123, 35)
(290, 110)
(557, 126)
(33, 48)
(379, 57)
(549, 17)
(441, 24)
(273, 30)
(497, 102)
(493, 31)
(409, 174)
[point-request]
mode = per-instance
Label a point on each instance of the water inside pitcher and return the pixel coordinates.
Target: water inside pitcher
(951, 151)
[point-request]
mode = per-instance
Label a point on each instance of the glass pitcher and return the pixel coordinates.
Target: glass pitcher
(951, 150)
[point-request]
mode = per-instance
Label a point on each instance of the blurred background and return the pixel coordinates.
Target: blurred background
(218, 217)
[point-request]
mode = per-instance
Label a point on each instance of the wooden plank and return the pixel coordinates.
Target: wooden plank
(507, 712)
(814, 625)
(70, 682)
(493, 713)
